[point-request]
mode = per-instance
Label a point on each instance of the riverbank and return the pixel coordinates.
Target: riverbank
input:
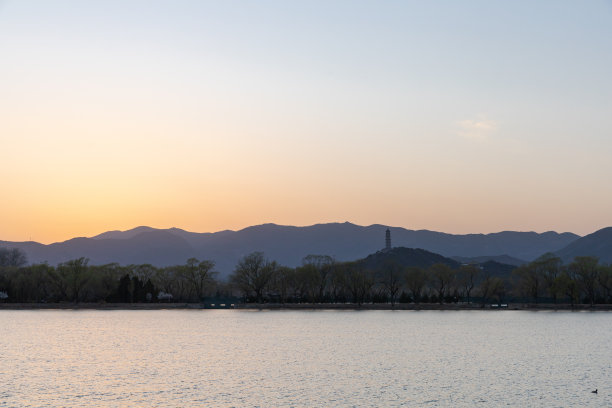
(303, 306)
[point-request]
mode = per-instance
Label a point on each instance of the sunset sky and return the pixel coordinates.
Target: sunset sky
(455, 116)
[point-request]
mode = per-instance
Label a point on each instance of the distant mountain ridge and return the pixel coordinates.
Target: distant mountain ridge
(286, 244)
(598, 244)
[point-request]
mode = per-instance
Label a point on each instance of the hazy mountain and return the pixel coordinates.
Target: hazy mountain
(116, 234)
(597, 244)
(353, 240)
(157, 247)
(286, 244)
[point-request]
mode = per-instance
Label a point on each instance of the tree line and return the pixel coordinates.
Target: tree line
(583, 280)
(77, 281)
(322, 280)
(319, 279)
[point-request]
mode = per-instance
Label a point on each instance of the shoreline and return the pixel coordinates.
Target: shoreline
(304, 306)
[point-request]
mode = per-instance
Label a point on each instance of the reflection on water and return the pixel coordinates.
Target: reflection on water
(302, 358)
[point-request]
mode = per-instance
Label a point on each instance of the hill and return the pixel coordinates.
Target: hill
(424, 259)
(406, 257)
(597, 244)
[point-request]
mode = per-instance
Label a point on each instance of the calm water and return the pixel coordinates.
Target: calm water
(304, 358)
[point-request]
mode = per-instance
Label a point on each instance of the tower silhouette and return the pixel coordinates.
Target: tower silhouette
(388, 240)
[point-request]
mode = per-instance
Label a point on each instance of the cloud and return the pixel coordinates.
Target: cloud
(477, 129)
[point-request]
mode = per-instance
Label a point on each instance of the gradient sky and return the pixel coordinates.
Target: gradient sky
(470, 116)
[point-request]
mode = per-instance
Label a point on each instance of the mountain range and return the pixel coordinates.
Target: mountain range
(598, 244)
(289, 244)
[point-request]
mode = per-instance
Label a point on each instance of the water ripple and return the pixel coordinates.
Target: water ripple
(304, 358)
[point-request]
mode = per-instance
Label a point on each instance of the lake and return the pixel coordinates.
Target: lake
(241, 358)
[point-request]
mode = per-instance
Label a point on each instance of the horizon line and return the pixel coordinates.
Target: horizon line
(294, 226)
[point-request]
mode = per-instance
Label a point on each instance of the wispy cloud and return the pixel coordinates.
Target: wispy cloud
(480, 128)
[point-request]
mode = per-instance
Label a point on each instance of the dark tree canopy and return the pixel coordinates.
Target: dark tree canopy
(320, 279)
(12, 257)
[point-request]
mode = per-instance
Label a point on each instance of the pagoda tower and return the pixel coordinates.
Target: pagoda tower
(388, 240)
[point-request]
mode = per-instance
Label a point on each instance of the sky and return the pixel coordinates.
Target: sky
(461, 117)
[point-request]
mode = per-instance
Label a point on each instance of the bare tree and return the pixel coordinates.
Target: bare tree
(416, 279)
(144, 272)
(604, 278)
(165, 279)
(486, 287)
(282, 282)
(586, 271)
(319, 269)
(199, 275)
(253, 274)
(337, 285)
(106, 279)
(307, 282)
(73, 275)
(549, 266)
(492, 287)
(498, 288)
(358, 281)
(442, 277)
(467, 277)
(566, 284)
(12, 257)
(391, 279)
(530, 280)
